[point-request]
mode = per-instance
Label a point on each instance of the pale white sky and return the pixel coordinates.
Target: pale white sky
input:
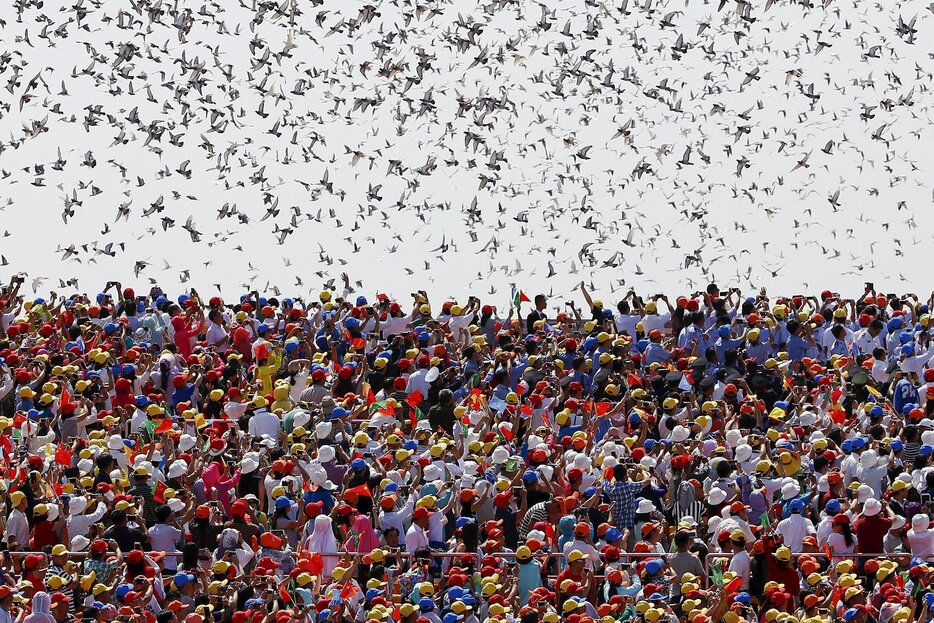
(772, 226)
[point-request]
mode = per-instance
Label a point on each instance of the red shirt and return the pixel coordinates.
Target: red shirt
(870, 531)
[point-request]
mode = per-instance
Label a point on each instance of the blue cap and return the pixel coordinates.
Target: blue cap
(463, 521)
(530, 476)
(182, 298)
(259, 603)
(781, 404)
(455, 593)
(426, 604)
(122, 590)
(142, 401)
(925, 450)
(339, 412)
(850, 614)
(450, 617)
(324, 614)
(283, 502)
(361, 300)
(291, 347)
(98, 605)
(642, 345)
(832, 507)
(796, 506)
(635, 419)
(589, 492)
(424, 336)
(908, 349)
(352, 323)
(262, 328)
(649, 445)
(876, 411)
(410, 444)
(653, 566)
(613, 534)
(373, 593)
(128, 368)
(905, 336)
(656, 597)
(743, 598)
(723, 330)
(469, 599)
(287, 302)
(895, 323)
(181, 579)
(392, 487)
(110, 327)
(358, 464)
(897, 445)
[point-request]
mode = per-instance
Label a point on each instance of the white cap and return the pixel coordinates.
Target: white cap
(79, 543)
(679, 434)
(432, 472)
(176, 505)
(77, 505)
(716, 496)
(871, 507)
(432, 375)
(249, 463)
(743, 452)
(323, 429)
(790, 490)
(177, 468)
(186, 442)
(326, 454)
(920, 522)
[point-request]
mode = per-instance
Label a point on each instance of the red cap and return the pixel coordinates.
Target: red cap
(98, 546)
(421, 513)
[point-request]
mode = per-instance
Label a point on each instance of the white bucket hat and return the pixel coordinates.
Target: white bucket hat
(326, 454)
(186, 442)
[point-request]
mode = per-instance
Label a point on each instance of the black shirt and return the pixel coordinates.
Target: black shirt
(127, 537)
(440, 416)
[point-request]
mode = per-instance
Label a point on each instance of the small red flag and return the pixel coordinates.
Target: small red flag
(350, 589)
(602, 407)
(368, 393)
(159, 494)
(361, 491)
(414, 399)
(165, 426)
(284, 591)
(316, 563)
(63, 455)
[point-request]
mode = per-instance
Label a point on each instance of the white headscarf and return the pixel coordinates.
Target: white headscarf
(323, 541)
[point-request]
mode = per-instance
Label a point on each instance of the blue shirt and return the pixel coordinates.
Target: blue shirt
(903, 394)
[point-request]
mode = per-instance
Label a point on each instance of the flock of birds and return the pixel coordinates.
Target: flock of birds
(467, 145)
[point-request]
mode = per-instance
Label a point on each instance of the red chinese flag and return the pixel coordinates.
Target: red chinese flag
(602, 407)
(368, 393)
(316, 563)
(159, 493)
(63, 455)
(414, 399)
(350, 589)
(65, 399)
(284, 591)
(362, 491)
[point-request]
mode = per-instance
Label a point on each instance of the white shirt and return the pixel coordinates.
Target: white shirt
(418, 383)
(741, 565)
(215, 334)
(656, 321)
(78, 524)
(164, 539)
(793, 530)
(17, 526)
(922, 543)
(264, 423)
(415, 538)
(593, 557)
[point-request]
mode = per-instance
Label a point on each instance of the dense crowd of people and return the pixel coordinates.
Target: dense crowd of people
(721, 457)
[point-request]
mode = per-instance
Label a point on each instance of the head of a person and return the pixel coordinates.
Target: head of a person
(540, 302)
